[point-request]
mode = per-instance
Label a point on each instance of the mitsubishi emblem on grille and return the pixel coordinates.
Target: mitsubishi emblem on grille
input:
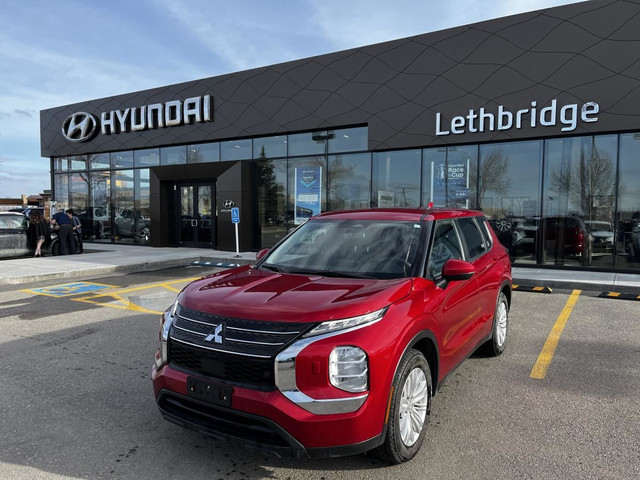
(217, 336)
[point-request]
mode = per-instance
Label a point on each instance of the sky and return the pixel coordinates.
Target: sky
(55, 53)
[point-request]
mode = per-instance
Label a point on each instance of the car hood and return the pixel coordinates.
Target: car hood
(249, 293)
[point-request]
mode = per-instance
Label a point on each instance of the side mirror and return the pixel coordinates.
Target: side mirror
(457, 270)
(261, 253)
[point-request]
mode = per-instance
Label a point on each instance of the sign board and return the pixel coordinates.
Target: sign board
(235, 215)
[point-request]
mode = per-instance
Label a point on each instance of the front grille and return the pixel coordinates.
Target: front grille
(241, 351)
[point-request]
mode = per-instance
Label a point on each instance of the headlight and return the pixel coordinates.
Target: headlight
(349, 369)
(335, 325)
(166, 320)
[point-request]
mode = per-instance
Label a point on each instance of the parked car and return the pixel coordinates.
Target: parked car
(563, 235)
(13, 236)
(129, 223)
(27, 210)
(603, 236)
(96, 223)
(337, 339)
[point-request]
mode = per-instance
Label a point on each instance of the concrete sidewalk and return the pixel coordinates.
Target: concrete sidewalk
(112, 259)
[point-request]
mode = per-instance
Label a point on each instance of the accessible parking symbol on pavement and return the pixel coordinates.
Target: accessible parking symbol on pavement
(69, 289)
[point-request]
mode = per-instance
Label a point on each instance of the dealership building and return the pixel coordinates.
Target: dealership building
(533, 119)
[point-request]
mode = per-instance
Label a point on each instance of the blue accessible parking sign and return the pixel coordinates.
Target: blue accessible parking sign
(235, 215)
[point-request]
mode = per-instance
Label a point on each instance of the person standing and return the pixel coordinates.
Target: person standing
(38, 233)
(65, 232)
(77, 227)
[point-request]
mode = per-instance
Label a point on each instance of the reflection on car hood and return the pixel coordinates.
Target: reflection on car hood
(249, 293)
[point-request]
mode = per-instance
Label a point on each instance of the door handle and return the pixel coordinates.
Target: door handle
(194, 223)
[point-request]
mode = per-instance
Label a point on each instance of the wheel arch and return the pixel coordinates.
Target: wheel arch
(425, 342)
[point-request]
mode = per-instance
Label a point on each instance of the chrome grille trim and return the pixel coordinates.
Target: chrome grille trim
(220, 350)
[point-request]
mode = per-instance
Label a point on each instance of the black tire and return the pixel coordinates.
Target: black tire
(498, 341)
(395, 450)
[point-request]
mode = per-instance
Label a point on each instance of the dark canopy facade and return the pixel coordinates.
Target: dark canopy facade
(533, 119)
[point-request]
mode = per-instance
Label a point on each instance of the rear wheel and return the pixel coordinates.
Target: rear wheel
(409, 410)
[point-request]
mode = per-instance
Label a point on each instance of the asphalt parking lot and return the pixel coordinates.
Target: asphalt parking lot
(77, 402)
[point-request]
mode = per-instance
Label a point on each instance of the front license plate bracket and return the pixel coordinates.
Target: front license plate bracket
(209, 392)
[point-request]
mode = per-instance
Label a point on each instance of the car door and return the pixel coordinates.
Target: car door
(478, 252)
(13, 235)
(455, 303)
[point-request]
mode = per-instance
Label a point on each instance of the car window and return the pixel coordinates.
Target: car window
(446, 245)
(4, 222)
(472, 237)
(486, 232)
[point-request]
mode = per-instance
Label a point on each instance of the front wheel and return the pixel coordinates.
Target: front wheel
(495, 345)
(409, 410)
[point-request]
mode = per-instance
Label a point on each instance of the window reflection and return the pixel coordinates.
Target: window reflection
(272, 201)
(235, 150)
(204, 152)
(627, 231)
(146, 158)
(122, 159)
(348, 140)
(98, 161)
(579, 201)
(396, 179)
(96, 222)
(509, 193)
(270, 147)
(173, 155)
(349, 181)
(310, 143)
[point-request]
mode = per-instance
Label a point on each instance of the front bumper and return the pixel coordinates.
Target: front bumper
(268, 421)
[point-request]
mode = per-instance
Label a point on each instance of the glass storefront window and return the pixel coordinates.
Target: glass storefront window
(78, 191)
(396, 179)
(203, 153)
(349, 181)
(124, 219)
(173, 155)
(78, 163)
(307, 179)
(142, 210)
(96, 221)
(270, 147)
(146, 158)
(577, 223)
(310, 143)
(627, 225)
(61, 189)
(509, 194)
(98, 161)
(122, 159)
(449, 176)
(235, 150)
(348, 140)
(61, 164)
(272, 201)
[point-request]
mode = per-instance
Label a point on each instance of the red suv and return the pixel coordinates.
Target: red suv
(334, 342)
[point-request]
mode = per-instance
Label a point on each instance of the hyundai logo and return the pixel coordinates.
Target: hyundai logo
(229, 203)
(217, 336)
(79, 127)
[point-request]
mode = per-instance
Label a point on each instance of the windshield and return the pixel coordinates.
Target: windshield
(350, 248)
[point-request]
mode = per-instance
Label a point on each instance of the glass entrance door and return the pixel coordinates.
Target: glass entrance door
(196, 222)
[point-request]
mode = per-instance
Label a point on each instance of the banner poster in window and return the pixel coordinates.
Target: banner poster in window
(308, 194)
(450, 183)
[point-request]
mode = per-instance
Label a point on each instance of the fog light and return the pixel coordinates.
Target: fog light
(349, 369)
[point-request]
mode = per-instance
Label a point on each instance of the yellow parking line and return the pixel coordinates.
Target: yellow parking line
(539, 370)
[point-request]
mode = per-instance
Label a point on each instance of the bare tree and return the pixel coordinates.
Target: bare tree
(492, 175)
(587, 186)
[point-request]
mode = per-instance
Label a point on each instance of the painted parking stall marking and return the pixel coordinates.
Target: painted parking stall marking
(539, 370)
(69, 289)
(142, 299)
